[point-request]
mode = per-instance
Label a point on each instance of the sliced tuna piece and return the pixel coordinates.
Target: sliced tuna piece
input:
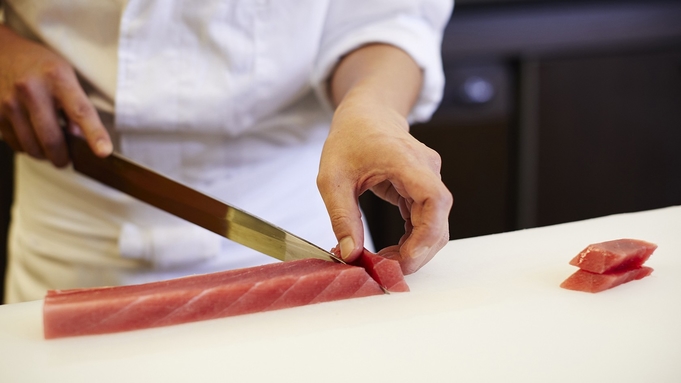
(617, 255)
(387, 272)
(200, 297)
(587, 281)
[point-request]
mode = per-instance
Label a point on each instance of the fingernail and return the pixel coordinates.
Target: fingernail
(103, 147)
(347, 245)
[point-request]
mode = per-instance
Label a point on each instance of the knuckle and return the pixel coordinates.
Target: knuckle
(9, 105)
(325, 182)
(55, 72)
(27, 90)
(434, 158)
(24, 86)
(80, 110)
(340, 218)
(445, 200)
(321, 181)
(321, 175)
(448, 198)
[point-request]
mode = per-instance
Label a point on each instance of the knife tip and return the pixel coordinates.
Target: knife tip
(336, 259)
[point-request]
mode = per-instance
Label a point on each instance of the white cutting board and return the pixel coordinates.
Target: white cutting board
(486, 309)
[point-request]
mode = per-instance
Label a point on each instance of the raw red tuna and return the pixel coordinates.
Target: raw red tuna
(608, 264)
(583, 280)
(201, 297)
(387, 272)
(617, 255)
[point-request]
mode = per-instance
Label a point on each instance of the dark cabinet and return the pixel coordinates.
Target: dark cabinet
(609, 137)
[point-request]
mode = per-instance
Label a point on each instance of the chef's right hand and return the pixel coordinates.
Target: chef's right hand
(35, 84)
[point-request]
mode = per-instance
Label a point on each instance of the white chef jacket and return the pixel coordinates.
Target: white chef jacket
(225, 96)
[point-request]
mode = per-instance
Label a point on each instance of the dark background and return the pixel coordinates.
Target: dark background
(554, 111)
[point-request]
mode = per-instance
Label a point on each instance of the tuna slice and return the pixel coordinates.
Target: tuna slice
(200, 297)
(583, 280)
(618, 255)
(386, 272)
(608, 264)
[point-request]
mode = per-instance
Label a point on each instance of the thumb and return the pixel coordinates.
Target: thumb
(346, 219)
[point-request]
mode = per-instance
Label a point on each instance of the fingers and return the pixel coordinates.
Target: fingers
(411, 264)
(18, 126)
(429, 227)
(43, 118)
(424, 203)
(346, 220)
(28, 110)
(7, 135)
(404, 206)
(80, 111)
(34, 84)
(425, 209)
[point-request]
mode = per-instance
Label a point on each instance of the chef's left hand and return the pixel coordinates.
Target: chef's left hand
(369, 148)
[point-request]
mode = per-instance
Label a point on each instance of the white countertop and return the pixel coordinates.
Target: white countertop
(486, 309)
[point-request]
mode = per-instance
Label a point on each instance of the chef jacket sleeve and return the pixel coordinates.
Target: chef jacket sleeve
(415, 26)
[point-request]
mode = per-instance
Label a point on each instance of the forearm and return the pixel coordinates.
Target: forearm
(377, 75)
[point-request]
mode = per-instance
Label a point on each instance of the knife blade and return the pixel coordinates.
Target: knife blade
(182, 201)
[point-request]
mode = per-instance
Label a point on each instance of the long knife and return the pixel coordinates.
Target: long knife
(175, 198)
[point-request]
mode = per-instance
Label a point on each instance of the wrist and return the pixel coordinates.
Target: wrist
(378, 75)
(362, 111)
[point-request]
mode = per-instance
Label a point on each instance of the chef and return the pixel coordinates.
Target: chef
(288, 109)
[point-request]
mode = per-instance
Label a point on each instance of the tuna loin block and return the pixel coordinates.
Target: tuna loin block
(583, 280)
(617, 255)
(200, 297)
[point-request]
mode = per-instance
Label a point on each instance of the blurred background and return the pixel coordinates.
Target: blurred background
(554, 111)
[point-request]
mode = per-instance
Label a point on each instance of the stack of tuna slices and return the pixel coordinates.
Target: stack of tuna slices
(608, 264)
